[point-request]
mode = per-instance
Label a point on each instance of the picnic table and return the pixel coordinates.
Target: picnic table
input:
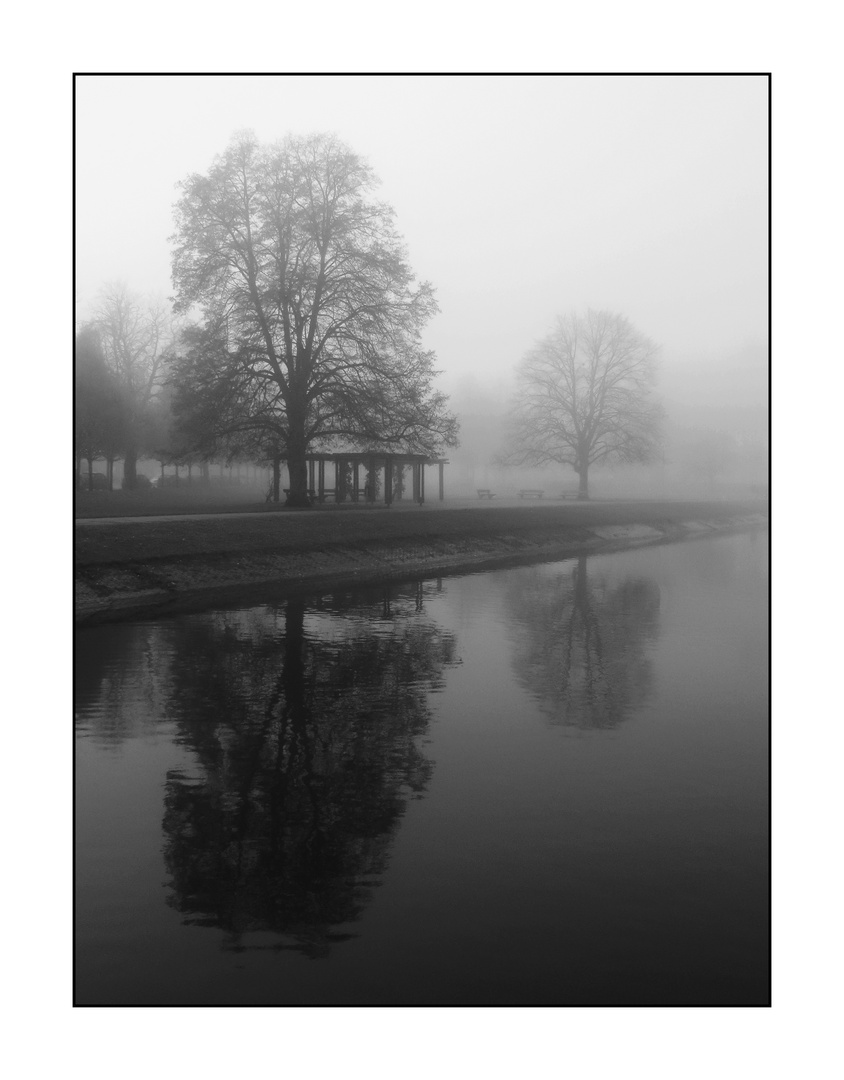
(485, 493)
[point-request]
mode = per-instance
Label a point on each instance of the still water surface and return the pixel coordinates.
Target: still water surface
(542, 785)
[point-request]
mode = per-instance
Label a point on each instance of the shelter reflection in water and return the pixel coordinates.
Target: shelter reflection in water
(581, 641)
(306, 760)
(306, 723)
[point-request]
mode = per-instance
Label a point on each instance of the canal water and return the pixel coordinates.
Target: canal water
(545, 785)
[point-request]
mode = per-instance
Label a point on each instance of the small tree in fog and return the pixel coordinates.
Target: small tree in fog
(135, 336)
(585, 397)
(100, 405)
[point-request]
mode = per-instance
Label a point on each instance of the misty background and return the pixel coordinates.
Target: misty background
(519, 199)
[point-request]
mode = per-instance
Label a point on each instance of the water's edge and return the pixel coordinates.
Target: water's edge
(106, 592)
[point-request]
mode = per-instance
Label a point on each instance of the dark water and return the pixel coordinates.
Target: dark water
(543, 785)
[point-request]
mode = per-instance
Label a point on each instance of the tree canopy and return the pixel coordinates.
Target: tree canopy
(311, 315)
(585, 396)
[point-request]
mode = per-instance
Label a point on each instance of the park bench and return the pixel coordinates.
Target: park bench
(485, 493)
(569, 493)
(313, 494)
(531, 493)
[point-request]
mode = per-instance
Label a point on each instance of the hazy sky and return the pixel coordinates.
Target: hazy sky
(518, 197)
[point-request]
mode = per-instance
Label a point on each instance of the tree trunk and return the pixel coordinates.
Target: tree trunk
(297, 467)
(276, 477)
(110, 471)
(583, 487)
(90, 474)
(130, 467)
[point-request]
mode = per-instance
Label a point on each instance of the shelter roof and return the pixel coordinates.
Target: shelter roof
(367, 455)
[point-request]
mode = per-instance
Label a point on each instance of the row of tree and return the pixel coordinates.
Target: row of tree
(124, 356)
(297, 326)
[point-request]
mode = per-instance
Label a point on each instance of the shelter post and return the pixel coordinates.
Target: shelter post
(388, 480)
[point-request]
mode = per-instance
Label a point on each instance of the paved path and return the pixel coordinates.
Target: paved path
(598, 507)
(281, 514)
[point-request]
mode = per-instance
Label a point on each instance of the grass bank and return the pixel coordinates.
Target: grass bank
(184, 498)
(127, 565)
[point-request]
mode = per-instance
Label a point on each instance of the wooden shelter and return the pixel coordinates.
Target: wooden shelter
(358, 476)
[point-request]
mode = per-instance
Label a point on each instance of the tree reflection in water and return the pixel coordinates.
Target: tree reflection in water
(581, 642)
(306, 723)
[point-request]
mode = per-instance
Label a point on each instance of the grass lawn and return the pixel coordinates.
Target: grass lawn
(184, 499)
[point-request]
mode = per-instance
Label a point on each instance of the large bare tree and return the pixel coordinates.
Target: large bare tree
(585, 396)
(301, 271)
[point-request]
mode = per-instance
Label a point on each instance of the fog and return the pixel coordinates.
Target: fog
(519, 198)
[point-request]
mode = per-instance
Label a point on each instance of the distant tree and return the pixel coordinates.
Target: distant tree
(100, 405)
(163, 437)
(304, 278)
(135, 337)
(709, 455)
(585, 397)
(220, 408)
